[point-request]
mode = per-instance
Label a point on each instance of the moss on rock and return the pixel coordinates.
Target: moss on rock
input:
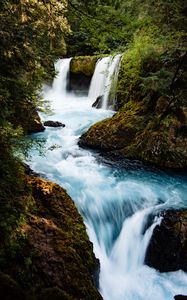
(53, 257)
(83, 65)
(151, 122)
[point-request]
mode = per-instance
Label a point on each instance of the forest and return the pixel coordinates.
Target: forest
(45, 251)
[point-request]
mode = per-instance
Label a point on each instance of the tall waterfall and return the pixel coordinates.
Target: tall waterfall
(115, 202)
(97, 86)
(60, 81)
(104, 80)
(111, 82)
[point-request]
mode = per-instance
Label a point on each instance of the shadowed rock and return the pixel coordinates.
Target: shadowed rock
(53, 124)
(167, 250)
(98, 102)
(180, 297)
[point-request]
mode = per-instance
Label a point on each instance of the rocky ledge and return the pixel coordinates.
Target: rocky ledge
(56, 259)
(83, 65)
(135, 132)
(167, 250)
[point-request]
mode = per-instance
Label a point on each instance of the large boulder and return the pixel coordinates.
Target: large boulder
(167, 250)
(28, 118)
(53, 257)
(136, 133)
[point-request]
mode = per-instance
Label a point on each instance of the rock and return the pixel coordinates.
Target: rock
(149, 125)
(79, 83)
(167, 250)
(136, 134)
(29, 118)
(63, 255)
(53, 124)
(180, 297)
(49, 256)
(83, 64)
(98, 102)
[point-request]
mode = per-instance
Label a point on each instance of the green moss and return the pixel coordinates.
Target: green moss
(48, 248)
(84, 64)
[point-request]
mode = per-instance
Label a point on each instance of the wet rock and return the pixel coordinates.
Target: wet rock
(180, 297)
(167, 250)
(53, 124)
(29, 171)
(98, 102)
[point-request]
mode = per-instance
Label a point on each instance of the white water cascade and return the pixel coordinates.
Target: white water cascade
(115, 201)
(60, 82)
(105, 79)
(97, 86)
(111, 81)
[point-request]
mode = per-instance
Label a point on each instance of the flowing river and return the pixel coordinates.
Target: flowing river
(115, 199)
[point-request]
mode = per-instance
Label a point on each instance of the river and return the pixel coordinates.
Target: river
(115, 199)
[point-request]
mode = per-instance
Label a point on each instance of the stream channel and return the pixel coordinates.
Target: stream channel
(115, 199)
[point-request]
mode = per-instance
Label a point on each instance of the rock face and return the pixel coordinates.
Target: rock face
(167, 250)
(180, 297)
(56, 259)
(29, 118)
(83, 65)
(53, 124)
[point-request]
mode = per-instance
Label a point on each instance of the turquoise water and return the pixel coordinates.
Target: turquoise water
(114, 198)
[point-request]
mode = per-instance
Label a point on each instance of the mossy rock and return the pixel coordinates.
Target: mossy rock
(51, 254)
(83, 65)
(135, 133)
(29, 118)
(57, 235)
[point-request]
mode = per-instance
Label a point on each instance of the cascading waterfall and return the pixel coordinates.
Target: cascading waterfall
(114, 202)
(111, 82)
(60, 81)
(97, 86)
(104, 80)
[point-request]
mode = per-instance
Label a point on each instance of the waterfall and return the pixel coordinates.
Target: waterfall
(60, 82)
(130, 248)
(111, 82)
(115, 202)
(104, 80)
(97, 85)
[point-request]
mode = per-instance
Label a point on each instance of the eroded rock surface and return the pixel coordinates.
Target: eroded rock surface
(167, 250)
